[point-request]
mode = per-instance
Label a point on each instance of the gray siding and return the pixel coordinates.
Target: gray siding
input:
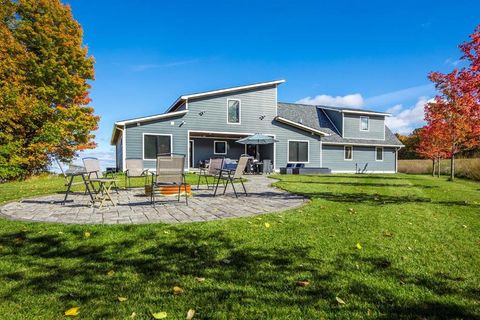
(351, 127)
(119, 153)
(333, 158)
(336, 118)
(134, 137)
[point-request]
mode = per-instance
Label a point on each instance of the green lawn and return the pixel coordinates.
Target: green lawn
(419, 258)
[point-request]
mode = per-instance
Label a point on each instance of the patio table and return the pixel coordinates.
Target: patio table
(71, 175)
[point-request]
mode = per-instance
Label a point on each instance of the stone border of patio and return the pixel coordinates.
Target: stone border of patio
(134, 208)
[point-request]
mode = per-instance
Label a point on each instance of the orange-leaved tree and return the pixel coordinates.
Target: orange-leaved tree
(455, 113)
(431, 145)
(44, 74)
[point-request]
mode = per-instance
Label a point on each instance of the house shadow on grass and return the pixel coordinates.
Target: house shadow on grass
(366, 198)
(75, 271)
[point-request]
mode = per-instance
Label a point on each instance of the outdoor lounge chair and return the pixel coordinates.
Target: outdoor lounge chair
(229, 176)
(134, 170)
(170, 172)
(214, 165)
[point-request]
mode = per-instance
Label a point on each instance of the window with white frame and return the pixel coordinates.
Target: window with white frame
(298, 151)
(348, 150)
(379, 153)
(154, 144)
(220, 147)
(233, 111)
(364, 123)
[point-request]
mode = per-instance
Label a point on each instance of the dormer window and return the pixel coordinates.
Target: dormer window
(233, 110)
(364, 123)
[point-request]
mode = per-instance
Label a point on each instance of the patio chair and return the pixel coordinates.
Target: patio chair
(232, 175)
(170, 172)
(134, 169)
(267, 166)
(214, 165)
(92, 168)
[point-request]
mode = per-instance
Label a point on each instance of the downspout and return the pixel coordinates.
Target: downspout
(123, 147)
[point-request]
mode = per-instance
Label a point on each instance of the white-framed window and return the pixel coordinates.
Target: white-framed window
(379, 153)
(220, 147)
(154, 144)
(348, 153)
(364, 123)
(298, 151)
(233, 111)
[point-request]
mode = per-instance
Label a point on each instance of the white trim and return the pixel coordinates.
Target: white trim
(214, 92)
(344, 152)
(362, 144)
(124, 148)
(376, 159)
(156, 117)
(359, 111)
(226, 147)
(155, 134)
(396, 160)
(218, 138)
(343, 125)
(239, 111)
(301, 126)
(368, 124)
(288, 151)
(224, 132)
(338, 131)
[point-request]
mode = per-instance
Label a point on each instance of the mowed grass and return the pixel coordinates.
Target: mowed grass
(388, 246)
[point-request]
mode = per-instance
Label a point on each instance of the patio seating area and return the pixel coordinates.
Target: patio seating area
(133, 207)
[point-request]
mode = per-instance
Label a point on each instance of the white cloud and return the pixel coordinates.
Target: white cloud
(350, 100)
(453, 62)
(400, 96)
(404, 120)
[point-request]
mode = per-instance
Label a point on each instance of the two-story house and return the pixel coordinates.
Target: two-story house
(207, 124)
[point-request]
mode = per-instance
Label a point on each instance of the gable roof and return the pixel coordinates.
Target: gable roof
(314, 117)
(184, 98)
(356, 111)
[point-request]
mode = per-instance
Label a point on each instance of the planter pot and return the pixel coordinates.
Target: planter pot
(168, 190)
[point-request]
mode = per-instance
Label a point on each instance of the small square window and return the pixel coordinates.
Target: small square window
(364, 123)
(348, 153)
(220, 147)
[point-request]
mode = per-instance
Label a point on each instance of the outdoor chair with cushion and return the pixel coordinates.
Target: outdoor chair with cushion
(214, 165)
(134, 169)
(170, 172)
(95, 175)
(229, 176)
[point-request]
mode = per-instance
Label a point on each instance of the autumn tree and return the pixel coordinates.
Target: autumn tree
(44, 74)
(431, 145)
(456, 110)
(411, 143)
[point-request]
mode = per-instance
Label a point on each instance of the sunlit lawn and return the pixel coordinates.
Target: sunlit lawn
(387, 246)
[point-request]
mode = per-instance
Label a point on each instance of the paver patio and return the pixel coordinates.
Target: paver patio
(133, 207)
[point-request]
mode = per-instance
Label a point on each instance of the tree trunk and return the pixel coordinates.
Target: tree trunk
(439, 168)
(433, 167)
(452, 167)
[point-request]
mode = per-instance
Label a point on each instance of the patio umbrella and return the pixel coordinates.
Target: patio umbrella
(257, 138)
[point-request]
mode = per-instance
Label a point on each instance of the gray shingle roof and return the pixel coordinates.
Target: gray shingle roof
(314, 117)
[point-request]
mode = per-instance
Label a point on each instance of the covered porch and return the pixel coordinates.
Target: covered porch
(204, 145)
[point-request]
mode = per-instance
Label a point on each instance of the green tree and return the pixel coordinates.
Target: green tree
(44, 74)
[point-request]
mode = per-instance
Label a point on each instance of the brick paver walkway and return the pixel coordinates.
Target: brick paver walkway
(133, 207)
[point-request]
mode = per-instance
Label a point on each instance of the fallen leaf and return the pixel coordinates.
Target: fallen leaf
(166, 232)
(190, 314)
(121, 299)
(72, 312)
(359, 246)
(133, 315)
(110, 273)
(303, 283)
(464, 226)
(267, 225)
(199, 279)
(177, 290)
(339, 300)
(387, 234)
(258, 218)
(160, 315)
(86, 234)
(249, 222)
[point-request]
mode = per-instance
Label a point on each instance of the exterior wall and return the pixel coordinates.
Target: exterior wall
(351, 127)
(333, 158)
(134, 137)
(336, 118)
(119, 153)
(203, 149)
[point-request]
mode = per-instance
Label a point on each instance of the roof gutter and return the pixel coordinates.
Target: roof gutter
(301, 126)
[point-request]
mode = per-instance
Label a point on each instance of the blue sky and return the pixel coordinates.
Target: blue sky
(366, 54)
